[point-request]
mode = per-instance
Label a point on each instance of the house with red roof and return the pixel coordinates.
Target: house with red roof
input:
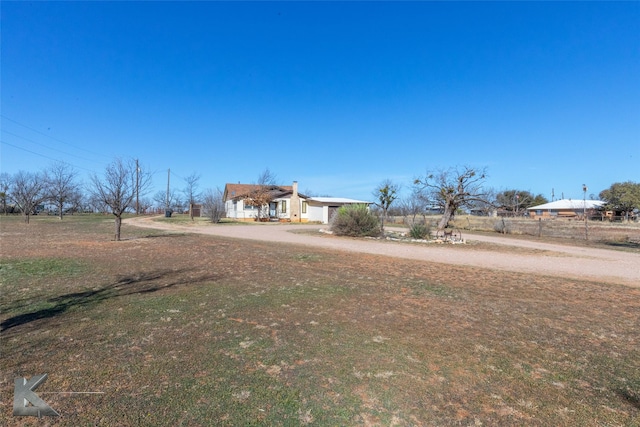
(244, 202)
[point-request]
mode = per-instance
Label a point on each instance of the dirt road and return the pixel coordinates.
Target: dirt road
(601, 265)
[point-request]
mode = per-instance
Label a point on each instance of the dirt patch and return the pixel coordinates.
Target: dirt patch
(528, 256)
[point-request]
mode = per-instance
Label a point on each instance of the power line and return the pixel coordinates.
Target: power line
(52, 137)
(45, 146)
(42, 155)
(173, 173)
(101, 163)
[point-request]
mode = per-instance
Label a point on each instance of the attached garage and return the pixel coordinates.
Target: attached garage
(322, 209)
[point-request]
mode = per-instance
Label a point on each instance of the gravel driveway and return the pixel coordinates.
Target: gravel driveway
(601, 265)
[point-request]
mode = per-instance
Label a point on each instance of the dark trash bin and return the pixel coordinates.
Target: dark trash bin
(167, 213)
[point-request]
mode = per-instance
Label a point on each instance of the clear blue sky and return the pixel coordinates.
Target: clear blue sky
(338, 96)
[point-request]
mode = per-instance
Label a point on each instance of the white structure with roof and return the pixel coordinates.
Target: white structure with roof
(565, 208)
(322, 209)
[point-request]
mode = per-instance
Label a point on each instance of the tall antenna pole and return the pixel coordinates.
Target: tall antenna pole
(168, 178)
(584, 211)
(137, 188)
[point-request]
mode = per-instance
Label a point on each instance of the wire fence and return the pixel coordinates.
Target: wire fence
(593, 230)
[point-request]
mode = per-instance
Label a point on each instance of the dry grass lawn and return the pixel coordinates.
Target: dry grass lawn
(184, 329)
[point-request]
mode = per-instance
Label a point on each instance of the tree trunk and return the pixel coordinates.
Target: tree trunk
(60, 207)
(449, 211)
(117, 230)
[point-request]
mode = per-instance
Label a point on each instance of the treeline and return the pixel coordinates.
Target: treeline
(123, 186)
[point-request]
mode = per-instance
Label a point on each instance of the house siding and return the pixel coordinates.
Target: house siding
(237, 210)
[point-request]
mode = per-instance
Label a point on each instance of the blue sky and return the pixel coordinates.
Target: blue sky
(336, 95)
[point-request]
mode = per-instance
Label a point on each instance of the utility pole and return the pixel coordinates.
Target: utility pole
(584, 211)
(168, 178)
(137, 188)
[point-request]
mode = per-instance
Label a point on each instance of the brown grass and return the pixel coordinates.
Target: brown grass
(199, 330)
(559, 230)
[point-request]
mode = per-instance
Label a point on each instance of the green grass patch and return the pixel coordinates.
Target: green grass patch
(425, 288)
(27, 269)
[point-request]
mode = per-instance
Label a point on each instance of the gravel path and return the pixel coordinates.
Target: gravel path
(601, 265)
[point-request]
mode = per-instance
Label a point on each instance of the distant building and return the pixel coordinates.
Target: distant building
(566, 208)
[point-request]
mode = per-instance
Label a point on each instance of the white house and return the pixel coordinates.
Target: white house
(565, 208)
(286, 204)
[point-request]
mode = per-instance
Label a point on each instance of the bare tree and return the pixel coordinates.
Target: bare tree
(386, 193)
(61, 185)
(95, 204)
(118, 189)
(144, 204)
(160, 199)
(413, 205)
(172, 202)
(27, 192)
(261, 195)
(5, 185)
(485, 206)
(267, 177)
(191, 190)
(76, 202)
(214, 204)
(516, 202)
(452, 189)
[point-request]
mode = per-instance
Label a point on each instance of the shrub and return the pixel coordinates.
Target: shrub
(420, 231)
(502, 226)
(356, 221)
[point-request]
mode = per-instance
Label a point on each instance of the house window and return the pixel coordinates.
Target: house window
(304, 207)
(283, 206)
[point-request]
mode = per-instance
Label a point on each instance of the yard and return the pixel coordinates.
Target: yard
(187, 329)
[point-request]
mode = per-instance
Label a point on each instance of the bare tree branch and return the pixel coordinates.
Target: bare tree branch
(119, 187)
(262, 193)
(62, 187)
(28, 191)
(191, 190)
(267, 177)
(452, 189)
(214, 204)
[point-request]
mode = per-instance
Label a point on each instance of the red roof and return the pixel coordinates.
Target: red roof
(235, 191)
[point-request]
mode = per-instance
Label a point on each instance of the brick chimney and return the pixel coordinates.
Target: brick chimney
(295, 204)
